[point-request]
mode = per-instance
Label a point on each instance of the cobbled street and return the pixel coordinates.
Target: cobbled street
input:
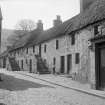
(17, 89)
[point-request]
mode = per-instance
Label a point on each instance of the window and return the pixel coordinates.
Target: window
(77, 58)
(45, 47)
(96, 30)
(27, 51)
(73, 39)
(54, 61)
(33, 49)
(22, 64)
(57, 44)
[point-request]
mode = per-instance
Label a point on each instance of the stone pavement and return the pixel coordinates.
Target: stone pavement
(20, 89)
(66, 82)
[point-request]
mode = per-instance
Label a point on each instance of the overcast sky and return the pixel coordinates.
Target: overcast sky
(46, 10)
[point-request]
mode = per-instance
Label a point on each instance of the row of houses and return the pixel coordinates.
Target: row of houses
(75, 47)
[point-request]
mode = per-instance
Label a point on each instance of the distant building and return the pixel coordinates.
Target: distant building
(0, 27)
(75, 47)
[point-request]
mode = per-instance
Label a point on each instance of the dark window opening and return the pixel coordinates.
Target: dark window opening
(77, 58)
(33, 49)
(45, 47)
(57, 44)
(22, 64)
(27, 51)
(54, 61)
(72, 39)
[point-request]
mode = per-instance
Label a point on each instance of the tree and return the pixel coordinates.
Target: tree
(23, 27)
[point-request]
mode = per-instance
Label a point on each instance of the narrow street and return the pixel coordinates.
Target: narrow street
(17, 89)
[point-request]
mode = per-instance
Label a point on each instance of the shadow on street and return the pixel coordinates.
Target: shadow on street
(15, 84)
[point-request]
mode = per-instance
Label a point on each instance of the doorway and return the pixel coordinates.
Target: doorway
(62, 64)
(69, 63)
(100, 65)
(30, 66)
(40, 50)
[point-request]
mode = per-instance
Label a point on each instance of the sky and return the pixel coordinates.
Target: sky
(46, 10)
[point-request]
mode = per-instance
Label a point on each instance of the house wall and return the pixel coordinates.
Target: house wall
(82, 70)
(26, 57)
(65, 48)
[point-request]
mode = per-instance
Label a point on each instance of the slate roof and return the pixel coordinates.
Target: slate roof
(95, 13)
(26, 40)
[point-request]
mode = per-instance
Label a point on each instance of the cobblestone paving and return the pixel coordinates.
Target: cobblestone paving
(28, 91)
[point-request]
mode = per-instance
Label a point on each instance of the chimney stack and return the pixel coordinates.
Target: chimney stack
(85, 4)
(57, 21)
(40, 25)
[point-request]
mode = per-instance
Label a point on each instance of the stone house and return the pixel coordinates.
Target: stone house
(74, 47)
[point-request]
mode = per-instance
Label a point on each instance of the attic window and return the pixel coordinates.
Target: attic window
(96, 30)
